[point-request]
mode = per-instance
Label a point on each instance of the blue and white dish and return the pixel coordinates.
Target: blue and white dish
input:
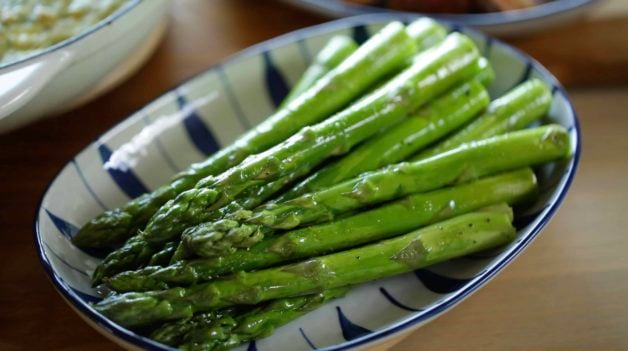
(511, 23)
(209, 111)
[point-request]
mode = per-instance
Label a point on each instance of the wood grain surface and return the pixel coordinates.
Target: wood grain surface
(568, 291)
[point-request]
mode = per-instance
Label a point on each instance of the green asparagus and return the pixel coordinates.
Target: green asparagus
(335, 51)
(455, 237)
(212, 331)
(452, 61)
(386, 52)
(173, 333)
(392, 219)
(426, 32)
(164, 256)
(465, 163)
(443, 115)
(516, 109)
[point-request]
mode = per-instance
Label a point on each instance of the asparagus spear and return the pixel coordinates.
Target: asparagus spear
(386, 52)
(429, 124)
(467, 162)
(518, 108)
(209, 331)
(446, 113)
(443, 66)
(386, 221)
(455, 237)
(162, 257)
(424, 31)
(173, 333)
(335, 51)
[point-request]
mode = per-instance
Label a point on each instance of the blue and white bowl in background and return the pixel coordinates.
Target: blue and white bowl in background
(509, 23)
(209, 111)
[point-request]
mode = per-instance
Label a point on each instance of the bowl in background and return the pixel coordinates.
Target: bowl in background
(509, 23)
(79, 69)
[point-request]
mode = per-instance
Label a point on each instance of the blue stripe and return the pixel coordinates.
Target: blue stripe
(488, 46)
(88, 187)
(439, 283)
(199, 133)
(125, 178)
(252, 346)
(161, 148)
(66, 228)
(526, 74)
(307, 340)
(220, 71)
(276, 85)
(554, 89)
(360, 34)
(455, 28)
(58, 257)
(396, 302)
(349, 329)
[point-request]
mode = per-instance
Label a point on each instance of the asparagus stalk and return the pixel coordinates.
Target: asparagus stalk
(518, 108)
(222, 320)
(429, 124)
(380, 223)
(425, 32)
(384, 53)
(446, 113)
(208, 331)
(335, 51)
(442, 67)
(467, 162)
(455, 237)
(161, 258)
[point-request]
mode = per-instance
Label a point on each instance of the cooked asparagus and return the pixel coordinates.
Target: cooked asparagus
(384, 53)
(455, 237)
(386, 221)
(452, 61)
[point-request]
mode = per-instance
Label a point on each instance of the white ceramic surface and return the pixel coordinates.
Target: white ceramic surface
(82, 67)
(211, 110)
(511, 23)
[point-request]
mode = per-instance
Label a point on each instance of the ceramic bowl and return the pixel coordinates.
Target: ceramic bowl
(209, 111)
(79, 69)
(512, 23)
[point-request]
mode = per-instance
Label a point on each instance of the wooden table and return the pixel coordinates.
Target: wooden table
(567, 291)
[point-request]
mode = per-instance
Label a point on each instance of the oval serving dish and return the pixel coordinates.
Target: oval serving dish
(209, 111)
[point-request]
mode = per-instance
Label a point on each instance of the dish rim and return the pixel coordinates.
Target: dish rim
(123, 10)
(481, 19)
(424, 316)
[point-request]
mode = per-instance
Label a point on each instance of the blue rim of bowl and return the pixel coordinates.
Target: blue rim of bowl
(92, 29)
(340, 8)
(416, 319)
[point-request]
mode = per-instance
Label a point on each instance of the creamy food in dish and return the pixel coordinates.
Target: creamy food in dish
(27, 26)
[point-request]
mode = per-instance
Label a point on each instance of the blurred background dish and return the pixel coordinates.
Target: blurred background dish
(85, 51)
(497, 17)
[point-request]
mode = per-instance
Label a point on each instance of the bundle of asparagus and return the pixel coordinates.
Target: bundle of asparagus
(395, 159)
